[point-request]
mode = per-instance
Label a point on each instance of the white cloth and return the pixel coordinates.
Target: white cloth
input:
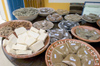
(3, 59)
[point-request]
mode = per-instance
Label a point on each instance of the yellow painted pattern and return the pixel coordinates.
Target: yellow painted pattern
(52, 5)
(4, 7)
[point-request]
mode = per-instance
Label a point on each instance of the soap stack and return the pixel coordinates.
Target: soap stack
(26, 42)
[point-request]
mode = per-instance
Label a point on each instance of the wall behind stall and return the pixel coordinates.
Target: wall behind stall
(64, 4)
(57, 5)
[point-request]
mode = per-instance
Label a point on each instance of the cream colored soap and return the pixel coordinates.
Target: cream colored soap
(22, 38)
(20, 52)
(32, 34)
(19, 47)
(12, 39)
(20, 30)
(42, 36)
(37, 46)
(12, 35)
(34, 29)
(5, 42)
(10, 50)
(30, 41)
(41, 31)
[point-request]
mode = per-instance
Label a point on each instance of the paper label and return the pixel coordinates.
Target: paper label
(61, 47)
(85, 52)
(55, 56)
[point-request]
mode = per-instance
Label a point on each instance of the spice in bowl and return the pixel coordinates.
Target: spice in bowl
(54, 17)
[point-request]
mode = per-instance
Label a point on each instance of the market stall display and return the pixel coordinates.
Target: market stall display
(23, 40)
(73, 17)
(86, 33)
(64, 51)
(45, 11)
(67, 25)
(44, 24)
(29, 13)
(91, 18)
(54, 17)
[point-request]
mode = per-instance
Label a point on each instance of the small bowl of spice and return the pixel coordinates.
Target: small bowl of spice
(73, 17)
(62, 12)
(45, 11)
(44, 24)
(91, 18)
(54, 17)
(86, 33)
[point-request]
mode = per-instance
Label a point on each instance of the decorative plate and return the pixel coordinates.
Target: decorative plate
(91, 50)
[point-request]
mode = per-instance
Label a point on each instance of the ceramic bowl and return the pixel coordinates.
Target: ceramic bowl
(67, 25)
(15, 23)
(31, 55)
(45, 14)
(88, 21)
(93, 52)
(73, 31)
(55, 20)
(73, 17)
(90, 18)
(30, 17)
(98, 22)
(44, 24)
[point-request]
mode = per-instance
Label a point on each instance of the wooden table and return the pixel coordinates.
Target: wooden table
(40, 59)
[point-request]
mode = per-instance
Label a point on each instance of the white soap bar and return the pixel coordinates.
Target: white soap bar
(23, 52)
(5, 42)
(34, 29)
(19, 47)
(37, 46)
(42, 36)
(12, 39)
(41, 31)
(10, 36)
(10, 50)
(30, 41)
(20, 30)
(32, 34)
(22, 38)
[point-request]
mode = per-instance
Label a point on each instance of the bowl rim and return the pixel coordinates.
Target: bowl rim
(98, 22)
(47, 41)
(60, 42)
(82, 26)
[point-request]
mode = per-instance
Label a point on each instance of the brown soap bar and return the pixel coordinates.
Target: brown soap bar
(72, 60)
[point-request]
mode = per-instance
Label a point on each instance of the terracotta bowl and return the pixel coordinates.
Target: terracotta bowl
(73, 31)
(91, 50)
(98, 22)
(31, 55)
(16, 24)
